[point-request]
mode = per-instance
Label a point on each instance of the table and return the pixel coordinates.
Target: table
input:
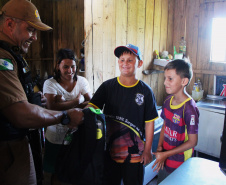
(196, 171)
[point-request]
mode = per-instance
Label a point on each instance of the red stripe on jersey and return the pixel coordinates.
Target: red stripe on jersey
(166, 146)
(173, 164)
(174, 118)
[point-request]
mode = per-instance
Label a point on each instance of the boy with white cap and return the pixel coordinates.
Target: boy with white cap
(130, 109)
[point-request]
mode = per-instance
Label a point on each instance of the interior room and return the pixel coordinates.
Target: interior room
(156, 27)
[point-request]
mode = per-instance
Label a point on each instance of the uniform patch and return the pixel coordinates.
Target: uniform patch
(6, 65)
(139, 99)
(176, 118)
(192, 122)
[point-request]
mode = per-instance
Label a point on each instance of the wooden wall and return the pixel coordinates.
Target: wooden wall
(197, 22)
(151, 25)
(66, 17)
(108, 24)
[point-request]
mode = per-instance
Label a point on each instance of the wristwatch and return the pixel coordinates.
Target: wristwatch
(65, 120)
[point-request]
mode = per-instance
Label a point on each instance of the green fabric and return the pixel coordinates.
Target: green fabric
(96, 111)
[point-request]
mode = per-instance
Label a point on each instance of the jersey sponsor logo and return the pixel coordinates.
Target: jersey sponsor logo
(176, 118)
(171, 133)
(139, 99)
(192, 122)
(6, 65)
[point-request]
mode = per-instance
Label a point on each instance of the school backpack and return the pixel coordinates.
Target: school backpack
(80, 160)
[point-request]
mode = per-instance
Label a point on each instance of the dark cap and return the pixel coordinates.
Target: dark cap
(129, 47)
(26, 11)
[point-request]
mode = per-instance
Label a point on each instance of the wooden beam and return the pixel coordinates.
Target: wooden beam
(210, 72)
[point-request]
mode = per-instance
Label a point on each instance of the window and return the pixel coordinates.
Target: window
(218, 40)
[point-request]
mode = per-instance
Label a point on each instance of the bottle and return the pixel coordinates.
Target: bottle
(182, 46)
(199, 84)
(196, 87)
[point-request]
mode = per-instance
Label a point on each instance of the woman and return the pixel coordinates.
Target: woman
(64, 91)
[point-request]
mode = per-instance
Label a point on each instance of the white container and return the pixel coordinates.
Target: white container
(197, 95)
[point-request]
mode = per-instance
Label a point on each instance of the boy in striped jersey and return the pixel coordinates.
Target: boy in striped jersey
(179, 134)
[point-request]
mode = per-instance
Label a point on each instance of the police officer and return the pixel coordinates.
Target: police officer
(19, 22)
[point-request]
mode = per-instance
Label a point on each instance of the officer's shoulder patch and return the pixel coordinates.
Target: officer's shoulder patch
(6, 65)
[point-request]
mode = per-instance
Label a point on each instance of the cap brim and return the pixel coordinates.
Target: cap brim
(39, 26)
(121, 49)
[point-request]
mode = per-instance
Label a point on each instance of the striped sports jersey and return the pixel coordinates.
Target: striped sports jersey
(180, 120)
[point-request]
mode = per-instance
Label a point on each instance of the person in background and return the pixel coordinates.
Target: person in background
(19, 22)
(130, 109)
(64, 91)
(179, 134)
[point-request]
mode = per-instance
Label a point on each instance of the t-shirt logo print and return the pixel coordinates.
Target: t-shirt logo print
(176, 118)
(139, 99)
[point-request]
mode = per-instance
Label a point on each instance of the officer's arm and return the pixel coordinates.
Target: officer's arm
(25, 115)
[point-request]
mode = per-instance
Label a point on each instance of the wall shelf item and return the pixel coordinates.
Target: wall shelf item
(161, 62)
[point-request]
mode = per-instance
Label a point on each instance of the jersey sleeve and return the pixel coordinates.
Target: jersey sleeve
(99, 97)
(191, 118)
(49, 87)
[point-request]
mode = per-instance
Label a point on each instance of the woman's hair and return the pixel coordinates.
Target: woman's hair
(183, 68)
(61, 55)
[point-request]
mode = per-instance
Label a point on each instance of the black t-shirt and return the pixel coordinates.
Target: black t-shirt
(126, 110)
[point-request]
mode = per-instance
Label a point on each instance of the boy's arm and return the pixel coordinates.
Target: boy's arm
(161, 139)
(146, 157)
(162, 156)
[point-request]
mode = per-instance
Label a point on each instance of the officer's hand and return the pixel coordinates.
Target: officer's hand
(76, 116)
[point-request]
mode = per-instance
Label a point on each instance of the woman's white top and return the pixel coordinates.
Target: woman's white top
(55, 133)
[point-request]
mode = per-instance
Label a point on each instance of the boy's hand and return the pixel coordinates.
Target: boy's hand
(159, 162)
(146, 157)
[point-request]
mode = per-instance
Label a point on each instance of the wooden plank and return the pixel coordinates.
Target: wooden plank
(136, 24)
(121, 27)
(140, 33)
(88, 17)
(164, 24)
(148, 35)
(192, 20)
(179, 22)
(163, 41)
(212, 1)
(109, 39)
(98, 42)
(205, 84)
(210, 72)
(204, 36)
(157, 25)
(156, 42)
(170, 25)
(204, 40)
(210, 85)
